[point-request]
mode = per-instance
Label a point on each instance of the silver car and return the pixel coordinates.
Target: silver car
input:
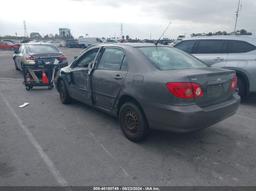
(32, 53)
(231, 52)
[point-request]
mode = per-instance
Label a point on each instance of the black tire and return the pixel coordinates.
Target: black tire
(50, 87)
(241, 87)
(28, 87)
(133, 122)
(64, 96)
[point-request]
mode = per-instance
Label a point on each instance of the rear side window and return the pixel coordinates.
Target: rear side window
(111, 59)
(211, 47)
(235, 46)
(186, 46)
(165, 58)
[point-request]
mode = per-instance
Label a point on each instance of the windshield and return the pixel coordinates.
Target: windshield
(165, 58)
(39, 49)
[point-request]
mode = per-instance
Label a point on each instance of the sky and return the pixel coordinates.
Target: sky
(140, 18)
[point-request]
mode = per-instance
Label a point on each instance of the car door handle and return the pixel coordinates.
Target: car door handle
(118, 77)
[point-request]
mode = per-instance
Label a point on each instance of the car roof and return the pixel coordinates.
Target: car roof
(247, 38)
(39, 43)
(127, 45)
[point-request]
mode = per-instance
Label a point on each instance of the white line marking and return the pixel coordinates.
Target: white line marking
(124, 171)
(15, 79)
(108, 152)
(58, 177)
(245, 117)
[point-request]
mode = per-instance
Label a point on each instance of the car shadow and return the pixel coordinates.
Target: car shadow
(167, 137)
(216, 152)
(250, 100)
(216, 137)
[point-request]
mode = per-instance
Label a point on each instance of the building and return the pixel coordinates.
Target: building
(65, 33)
(35, 35)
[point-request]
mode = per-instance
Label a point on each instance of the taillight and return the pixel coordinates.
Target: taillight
(62, 58)
(185, 90)
(30, 60)
(233, 85)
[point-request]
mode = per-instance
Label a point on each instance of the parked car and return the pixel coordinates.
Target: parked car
(29, 53)
(8, 45)
(88, 41)
(149, 87)
(72, 43)
(231, 52)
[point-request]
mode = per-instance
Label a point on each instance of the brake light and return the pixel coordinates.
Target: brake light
(62, 58)
(233, 85)
(30, 60)
(185, 90)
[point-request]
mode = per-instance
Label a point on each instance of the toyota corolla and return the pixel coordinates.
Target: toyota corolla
(150, 87)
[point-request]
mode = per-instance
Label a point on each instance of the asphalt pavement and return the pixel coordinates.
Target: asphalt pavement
(50, 144)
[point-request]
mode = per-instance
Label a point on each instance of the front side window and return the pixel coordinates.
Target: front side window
(186, 46)
(235, 46)
(111, 59)
(87, 58)
(165, 58)
(211, 47)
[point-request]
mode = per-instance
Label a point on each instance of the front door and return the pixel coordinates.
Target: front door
(80, 81)
(108, 77)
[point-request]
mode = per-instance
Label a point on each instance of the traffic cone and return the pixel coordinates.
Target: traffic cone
(44, 78)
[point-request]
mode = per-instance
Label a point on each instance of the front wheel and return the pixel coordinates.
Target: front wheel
(133, 122)
(64, 96)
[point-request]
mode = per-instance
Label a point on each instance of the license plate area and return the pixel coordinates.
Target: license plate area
(215, 90)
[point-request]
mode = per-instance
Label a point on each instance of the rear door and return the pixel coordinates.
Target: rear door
(108, 77)
(186, 45)
(211, 51)
(240, 53)
(80, 82)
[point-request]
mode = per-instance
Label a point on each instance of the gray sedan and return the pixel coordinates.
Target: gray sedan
(149, 87)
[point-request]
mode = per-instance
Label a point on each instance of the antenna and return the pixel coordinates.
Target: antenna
(163, 33)
(237, 14)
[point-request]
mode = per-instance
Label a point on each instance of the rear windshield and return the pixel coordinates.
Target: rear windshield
(165, 58)
(38, 49)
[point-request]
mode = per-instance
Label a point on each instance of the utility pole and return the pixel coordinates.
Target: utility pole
(25, 29)
(121, 30)
(237, 14)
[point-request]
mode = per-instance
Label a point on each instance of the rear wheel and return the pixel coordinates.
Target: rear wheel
(29, 87)
(51, 86)
(133, 122)
(64, 96)
(241, 87)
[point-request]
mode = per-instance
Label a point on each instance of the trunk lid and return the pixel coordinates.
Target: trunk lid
(215, 84)
(47, 58)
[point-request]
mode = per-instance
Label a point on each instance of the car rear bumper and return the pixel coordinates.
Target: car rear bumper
(190, 118)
